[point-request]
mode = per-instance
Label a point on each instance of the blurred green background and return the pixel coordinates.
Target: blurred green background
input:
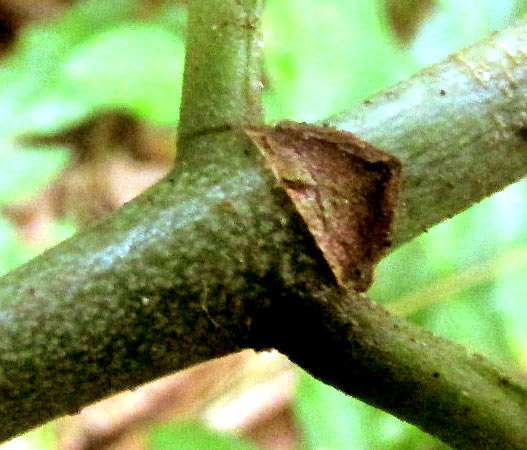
(462, 280)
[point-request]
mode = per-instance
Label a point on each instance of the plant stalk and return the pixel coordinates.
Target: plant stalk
(214, 258)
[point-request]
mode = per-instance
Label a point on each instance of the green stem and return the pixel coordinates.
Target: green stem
(159, 285)
(214, 259)
(358, 347)
(222, 81)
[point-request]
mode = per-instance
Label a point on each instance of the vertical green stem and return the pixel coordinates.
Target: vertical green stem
(222, 85)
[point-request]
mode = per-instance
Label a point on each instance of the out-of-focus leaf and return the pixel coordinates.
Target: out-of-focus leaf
(42, 438)
(454, 25)
(136, 65)
(115, 157)
(24, 172)
(499, 14)
(509, 217)
(466, 241)
(194, 436)
(331, 420)
(511, 304)
(405, 16)
(14, 15)
(472, 319)
(40, 87)
(465, 275)
(32, 75)
(323, 55)
(328, 418)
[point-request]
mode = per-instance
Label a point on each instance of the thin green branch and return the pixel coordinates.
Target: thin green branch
(222, 81)
(459, 127)
(358, 347)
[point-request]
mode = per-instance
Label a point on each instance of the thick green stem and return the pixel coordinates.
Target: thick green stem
(150, 289)
(177, 277)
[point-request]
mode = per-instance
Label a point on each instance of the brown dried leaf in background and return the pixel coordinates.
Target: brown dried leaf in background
(405, 16)
(115, 157)
(15, 14)
(216, 391)
(344, 188)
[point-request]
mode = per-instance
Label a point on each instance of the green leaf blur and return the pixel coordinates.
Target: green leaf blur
(194, 436)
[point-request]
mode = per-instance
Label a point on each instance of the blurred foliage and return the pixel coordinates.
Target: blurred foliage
(335, 421)
(194, 436)
(462, 279)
